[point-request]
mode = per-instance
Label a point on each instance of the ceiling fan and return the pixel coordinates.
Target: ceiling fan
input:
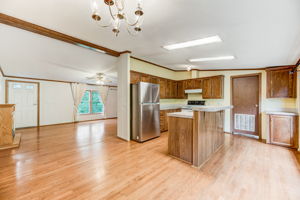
(100, 78)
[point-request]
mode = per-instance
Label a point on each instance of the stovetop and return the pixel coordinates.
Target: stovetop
(192, 104)
(196, 103)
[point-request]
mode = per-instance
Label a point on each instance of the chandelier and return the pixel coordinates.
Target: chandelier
(116, 14)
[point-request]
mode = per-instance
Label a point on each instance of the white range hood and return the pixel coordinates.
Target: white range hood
(193, 91)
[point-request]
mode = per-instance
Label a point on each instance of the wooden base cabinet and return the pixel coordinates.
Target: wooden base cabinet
(8, 138)
(283, 130)
(180, 139)
(164, 121)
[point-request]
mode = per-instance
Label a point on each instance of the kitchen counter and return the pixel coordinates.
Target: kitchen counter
(212, 108)
(181, 114)
(170, 106)
(281, 113)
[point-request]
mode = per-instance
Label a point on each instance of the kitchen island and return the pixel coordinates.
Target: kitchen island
(195, 136)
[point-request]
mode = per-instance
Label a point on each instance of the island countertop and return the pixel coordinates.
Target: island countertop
(189, 114)
(212, 108)
(186, 114)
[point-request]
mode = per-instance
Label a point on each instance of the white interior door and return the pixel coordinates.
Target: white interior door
(111, 105)
(25, 97)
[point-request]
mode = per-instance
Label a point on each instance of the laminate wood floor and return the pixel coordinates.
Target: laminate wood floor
(87, 161)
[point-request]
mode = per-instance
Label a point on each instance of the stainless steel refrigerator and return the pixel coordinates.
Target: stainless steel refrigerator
(145, 124)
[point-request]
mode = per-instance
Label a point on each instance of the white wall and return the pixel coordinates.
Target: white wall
(56, 102)
(123, 66)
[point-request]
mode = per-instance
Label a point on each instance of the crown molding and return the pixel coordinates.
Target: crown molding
(1, 72)
(18, 23)
(298, 63)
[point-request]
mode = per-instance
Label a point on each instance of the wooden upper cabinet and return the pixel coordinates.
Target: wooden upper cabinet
(163, 86)
(198, 83)
(190, 84)
(180, 90)
(135, 77)
(154, 80)
(169, 89)
(145, 78)
(281, 82)
(206, 88)
(174, 89)
(284, 130)
(212, 87)
(217, 87)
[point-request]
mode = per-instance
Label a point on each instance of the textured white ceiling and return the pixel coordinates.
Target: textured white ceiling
(26, 54)
(258, 33)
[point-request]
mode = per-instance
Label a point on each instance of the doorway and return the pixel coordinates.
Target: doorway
(245, 98)
(111, 102)
(25, 95)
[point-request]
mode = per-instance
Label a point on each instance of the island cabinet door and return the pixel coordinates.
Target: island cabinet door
(180, 138)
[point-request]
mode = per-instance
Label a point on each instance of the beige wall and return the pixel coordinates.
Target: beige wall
(279, 104)
(143, 67)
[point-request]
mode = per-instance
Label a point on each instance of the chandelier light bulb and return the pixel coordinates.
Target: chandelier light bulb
(120, 16)
(109, 2)
(96, 16)
(139, 12)
(188, 68)
(116, 10)
(137, 29)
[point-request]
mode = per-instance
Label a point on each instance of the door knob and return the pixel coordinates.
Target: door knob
(256, 105)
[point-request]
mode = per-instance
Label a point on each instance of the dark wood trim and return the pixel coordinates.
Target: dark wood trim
(280, 67)
(122, 52)
(207, 70)
(2, 73)
(298, 63)
(245, 69)
(38, 95)
(259, 100)
(15, 22)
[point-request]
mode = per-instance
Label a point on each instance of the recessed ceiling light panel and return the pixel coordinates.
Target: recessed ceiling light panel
(212, 58)
(192, 43)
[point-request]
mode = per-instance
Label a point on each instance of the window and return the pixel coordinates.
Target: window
(17, 86)
(90, 103)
